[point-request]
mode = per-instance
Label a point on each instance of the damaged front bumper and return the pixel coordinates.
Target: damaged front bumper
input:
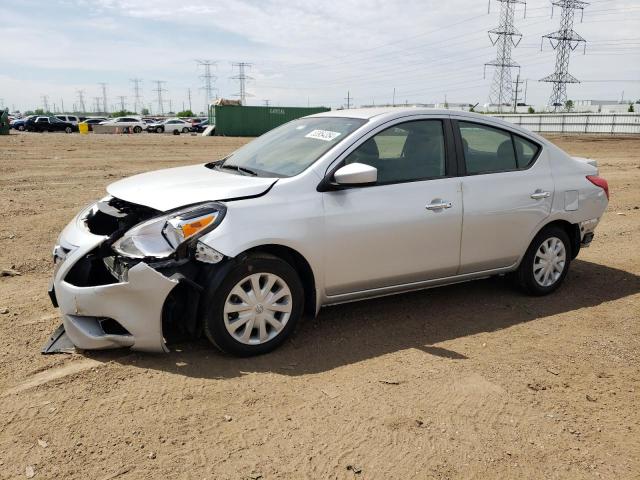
(99, 310)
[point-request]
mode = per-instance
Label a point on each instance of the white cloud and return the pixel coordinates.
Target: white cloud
(300, 49)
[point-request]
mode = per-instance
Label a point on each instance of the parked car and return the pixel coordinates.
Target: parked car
(171, 125)
(153, 124)
(331, 208)
(135, 124)
(49, 124)
(20, 123)
(200, 127)
(72, 119)
(93, 121)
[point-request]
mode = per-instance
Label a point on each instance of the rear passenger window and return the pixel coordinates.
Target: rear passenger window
(487, 149)
(526, 151)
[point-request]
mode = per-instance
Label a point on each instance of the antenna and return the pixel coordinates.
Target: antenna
(505, 37)
(564, 41)
(242, 77)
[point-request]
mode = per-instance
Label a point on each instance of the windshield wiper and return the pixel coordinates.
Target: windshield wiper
(238, 168)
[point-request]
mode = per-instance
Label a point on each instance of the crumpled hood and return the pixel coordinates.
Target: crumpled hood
(175, 187)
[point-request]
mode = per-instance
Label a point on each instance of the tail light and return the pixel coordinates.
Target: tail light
(599, 182)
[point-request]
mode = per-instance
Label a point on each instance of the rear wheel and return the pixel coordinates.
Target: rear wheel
(160, 130)
(255, 307)
(68, 130)
(137, 129)
(185, 130)
(546, 263)
(21, 128)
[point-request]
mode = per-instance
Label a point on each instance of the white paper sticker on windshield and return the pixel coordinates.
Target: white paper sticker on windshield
(326, 135)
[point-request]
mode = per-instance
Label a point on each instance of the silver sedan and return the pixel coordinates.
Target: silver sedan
(326, 209)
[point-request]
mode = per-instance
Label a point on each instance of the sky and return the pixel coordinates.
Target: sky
(301, 52)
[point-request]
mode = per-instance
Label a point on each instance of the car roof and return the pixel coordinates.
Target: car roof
(391, 113)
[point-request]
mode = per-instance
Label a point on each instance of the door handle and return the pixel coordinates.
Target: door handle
(540, 194)
(438, 205)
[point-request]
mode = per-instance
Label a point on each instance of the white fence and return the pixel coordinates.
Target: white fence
(611, 124)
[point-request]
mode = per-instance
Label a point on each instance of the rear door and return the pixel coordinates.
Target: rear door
(507, 189)
(404, 229)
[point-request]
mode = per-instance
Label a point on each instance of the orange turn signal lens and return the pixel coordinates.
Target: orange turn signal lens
(191, 228)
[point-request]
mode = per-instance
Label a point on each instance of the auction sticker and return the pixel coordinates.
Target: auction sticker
(326, 135)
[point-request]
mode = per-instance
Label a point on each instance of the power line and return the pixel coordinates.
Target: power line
(137, 94)
(504, 38)
(517, 84)
(159, 90)
(242, 78)
(564, 41)
(96, 104)
(45, 103)
(208, 80)
(349, 99)
(122, 103)
(104, 98)
(80, 101)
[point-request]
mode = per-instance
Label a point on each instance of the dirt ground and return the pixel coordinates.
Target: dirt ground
(469, 381)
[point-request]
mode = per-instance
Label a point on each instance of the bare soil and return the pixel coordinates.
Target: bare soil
(469, 381)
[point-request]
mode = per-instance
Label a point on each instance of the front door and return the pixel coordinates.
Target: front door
(404, 229)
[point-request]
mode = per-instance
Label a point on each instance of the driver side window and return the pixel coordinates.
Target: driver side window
(405, 152)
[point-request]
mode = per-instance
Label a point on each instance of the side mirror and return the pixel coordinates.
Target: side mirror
(356, 174)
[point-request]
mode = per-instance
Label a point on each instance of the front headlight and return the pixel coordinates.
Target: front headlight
(161, 236)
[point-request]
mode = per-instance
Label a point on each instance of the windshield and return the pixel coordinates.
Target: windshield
(291, 148)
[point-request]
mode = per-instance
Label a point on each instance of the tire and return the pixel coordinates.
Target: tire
(185, 130)
(21, 128)
(160, 130)
(218, 322)
(532, 275)
(68, 130)
(137, 129)
(176, 132)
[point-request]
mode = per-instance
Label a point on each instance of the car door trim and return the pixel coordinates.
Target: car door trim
(413, 286)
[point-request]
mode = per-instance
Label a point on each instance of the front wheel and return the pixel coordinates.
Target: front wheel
(185, 130)
(254, 308)
(137, 129)
(160, 130)
(546, 262)
(68, 130)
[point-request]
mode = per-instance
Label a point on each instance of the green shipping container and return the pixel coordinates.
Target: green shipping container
(237, 121)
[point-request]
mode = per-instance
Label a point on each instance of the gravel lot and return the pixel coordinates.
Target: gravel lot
(469, 381)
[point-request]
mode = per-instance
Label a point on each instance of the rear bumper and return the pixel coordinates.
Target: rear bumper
(88, 311)
(587, 231)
